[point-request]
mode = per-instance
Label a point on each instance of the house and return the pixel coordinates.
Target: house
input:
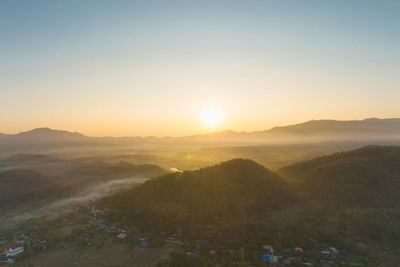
(15, 249)
(195, 254)
(265, 257)
(325, 253)
(300, 250)
(333, 250)
(121, 236)
(269, 248)
(143, 241)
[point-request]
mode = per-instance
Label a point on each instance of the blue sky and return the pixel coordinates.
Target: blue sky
(150, 67)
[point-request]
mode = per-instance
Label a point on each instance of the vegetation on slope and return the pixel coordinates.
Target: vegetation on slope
(217, 195)
(239, 203)
(367, 177)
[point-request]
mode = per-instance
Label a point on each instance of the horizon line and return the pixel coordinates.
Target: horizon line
(190, 135)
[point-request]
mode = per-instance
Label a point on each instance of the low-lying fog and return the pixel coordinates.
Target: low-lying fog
(89, 194)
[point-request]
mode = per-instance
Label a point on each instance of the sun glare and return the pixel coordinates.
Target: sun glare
(212, 116)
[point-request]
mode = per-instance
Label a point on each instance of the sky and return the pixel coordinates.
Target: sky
(127, 68)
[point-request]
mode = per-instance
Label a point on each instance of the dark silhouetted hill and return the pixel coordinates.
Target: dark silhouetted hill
(45, 135)
(367, 177)
(220, 194)
(49, 133)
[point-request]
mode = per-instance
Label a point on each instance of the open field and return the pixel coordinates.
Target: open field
(116, 255)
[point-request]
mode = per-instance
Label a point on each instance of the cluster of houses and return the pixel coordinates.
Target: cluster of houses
(94, 229)
(97, 225)
(288, 256)
(26, 242)
(327, 257)
(9, 255)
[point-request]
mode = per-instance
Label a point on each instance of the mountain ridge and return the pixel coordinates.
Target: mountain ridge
(47, 130)
(323, 124)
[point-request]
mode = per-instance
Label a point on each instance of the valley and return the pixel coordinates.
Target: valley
(196, 203)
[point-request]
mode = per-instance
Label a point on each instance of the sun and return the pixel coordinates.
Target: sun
(212, 116)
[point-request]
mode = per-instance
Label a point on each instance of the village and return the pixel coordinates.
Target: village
(87, 227)
(82, 229)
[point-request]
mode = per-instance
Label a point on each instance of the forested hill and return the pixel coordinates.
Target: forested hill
(367, 177)
(228, 191)
(349, 200)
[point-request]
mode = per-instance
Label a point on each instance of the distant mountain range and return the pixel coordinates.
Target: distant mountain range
(307, 132)
(372, 125)
(47, 132)
(326, 130)
(43, 135)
